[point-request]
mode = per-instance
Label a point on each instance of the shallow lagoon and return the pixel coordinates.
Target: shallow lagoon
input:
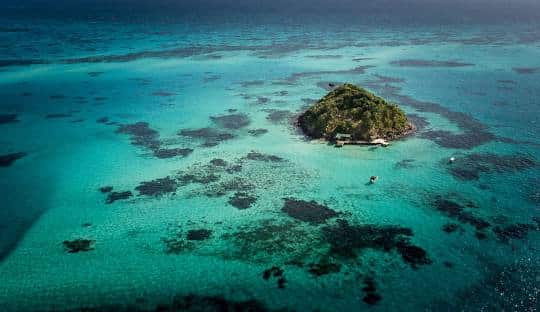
(211, 223)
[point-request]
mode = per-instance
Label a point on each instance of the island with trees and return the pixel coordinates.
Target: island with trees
(352, 115)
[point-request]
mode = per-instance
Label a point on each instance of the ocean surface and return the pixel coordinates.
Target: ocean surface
(150, 161)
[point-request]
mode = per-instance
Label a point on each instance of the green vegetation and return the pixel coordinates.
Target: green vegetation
(352, 110)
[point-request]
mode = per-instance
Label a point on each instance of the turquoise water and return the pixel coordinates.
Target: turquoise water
(429, 235)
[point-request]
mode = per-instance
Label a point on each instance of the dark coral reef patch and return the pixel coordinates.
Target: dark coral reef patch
(183, 302)
(242, 200)
(450, 227)
(209, 136)
(7, 160)
(163, 93)
(308, 211)
(405, 164)
(470, 167)
(269, 238)
(457, 211)
(465, 140)
(263, 157)
(114, 196)
(78, 245)
(198, 234)
(526, 70)
(277, 273)
(474, 132)
(57, 115)
(345, 240)
(514, 231)
(218, 162)
(279, 116)
(105, 189)
(200, 178)
(102, 120)
(428, 63)
(157, 187)
(323, 268)
(141, 134)
(211, 303)
(8, 118)
(257, 132)
(233, 121)
(371, 296)
(176, 242)
(164, 153)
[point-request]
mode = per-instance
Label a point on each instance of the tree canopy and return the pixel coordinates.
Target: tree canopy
(353, 110)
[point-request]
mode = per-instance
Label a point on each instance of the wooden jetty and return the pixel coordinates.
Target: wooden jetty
(341, 143)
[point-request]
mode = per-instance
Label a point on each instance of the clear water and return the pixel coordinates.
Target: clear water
(177, 73)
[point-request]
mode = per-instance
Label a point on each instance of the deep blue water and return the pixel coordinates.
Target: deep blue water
(164, 135)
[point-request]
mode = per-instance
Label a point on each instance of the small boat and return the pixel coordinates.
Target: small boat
(452, 159)
(373, 179)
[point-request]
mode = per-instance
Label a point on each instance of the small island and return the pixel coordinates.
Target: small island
(353, 115)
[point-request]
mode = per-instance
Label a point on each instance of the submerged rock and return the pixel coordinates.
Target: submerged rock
(211, 303)
(470, 167)
(257, 132)
(218, 162)
(263, 157)
(466, 140)
(275, 272)
(352, 110)
(8, 118)
(172, 152)
(308, 211)
(57, 115)
(176, 245)
(450, 227)
(114, 196)
(371, 297)
(346, 240)
(198, 235)
(279, 116)
(281, 282)
(78, 245)
(258, 241)
(242, 200)
(513, 231)
(323, 268)
(458, 212)
(210, 136)
(411, 254)
(141, 134)
(157, 187)
(428, 63)
(405, 164)
(236, 184)
(7, 160)
(233, 121)
(204, 178)
(102, 120)
(105, 189)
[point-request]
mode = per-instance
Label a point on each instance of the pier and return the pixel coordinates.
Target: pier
(342, 140)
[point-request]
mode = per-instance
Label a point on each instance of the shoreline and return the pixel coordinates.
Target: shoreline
(340, 143)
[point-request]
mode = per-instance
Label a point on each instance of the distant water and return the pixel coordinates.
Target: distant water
(153, 163)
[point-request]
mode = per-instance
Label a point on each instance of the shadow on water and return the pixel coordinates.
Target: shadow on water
(23, 202)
